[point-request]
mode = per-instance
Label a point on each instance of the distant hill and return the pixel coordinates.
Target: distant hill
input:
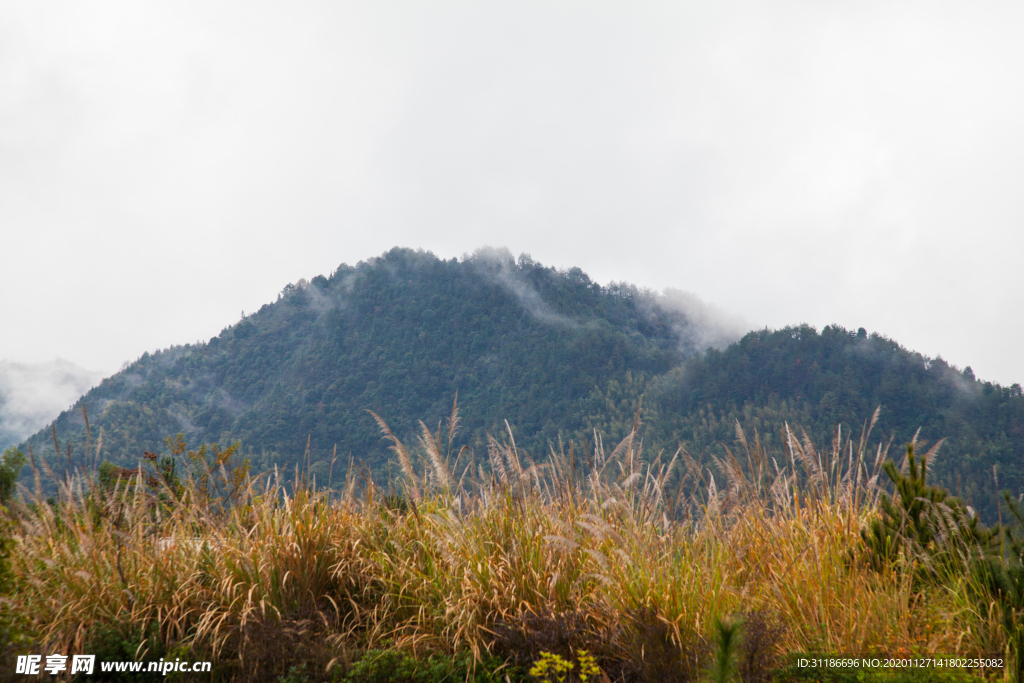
(838, 377)
(551, 352)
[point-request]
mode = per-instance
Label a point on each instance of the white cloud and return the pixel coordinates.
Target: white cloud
(164, 166)
(32, 395)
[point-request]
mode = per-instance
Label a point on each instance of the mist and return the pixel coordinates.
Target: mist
(708, 326)
(32, 395)
(499, 266)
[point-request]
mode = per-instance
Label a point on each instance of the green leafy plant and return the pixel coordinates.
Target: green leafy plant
(551, 668)
(296, 674)
(588, 666)
(727, 636)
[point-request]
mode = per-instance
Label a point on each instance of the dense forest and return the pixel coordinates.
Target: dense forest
(553, 353)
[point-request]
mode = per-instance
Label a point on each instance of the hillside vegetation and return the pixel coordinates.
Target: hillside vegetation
(553, 353)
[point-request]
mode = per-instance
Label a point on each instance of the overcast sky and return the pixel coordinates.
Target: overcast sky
(165, 166)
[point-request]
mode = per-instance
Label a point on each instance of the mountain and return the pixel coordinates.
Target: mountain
(551, 352)
(397, 335)
(32, 394)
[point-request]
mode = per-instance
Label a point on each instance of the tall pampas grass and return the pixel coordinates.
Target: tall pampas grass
(620, 544)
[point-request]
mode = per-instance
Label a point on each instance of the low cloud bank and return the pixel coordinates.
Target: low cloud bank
(699, 325)
(708, 325)
(31, 395)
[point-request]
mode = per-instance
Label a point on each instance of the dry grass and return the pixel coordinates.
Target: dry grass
(617, 545)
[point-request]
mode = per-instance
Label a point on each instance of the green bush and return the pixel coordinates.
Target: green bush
(112, 644)
(10, 467)
(924, 520)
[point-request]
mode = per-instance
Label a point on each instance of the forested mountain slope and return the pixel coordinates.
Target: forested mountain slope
(550, 352)
(397, 335)
(817, 381)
